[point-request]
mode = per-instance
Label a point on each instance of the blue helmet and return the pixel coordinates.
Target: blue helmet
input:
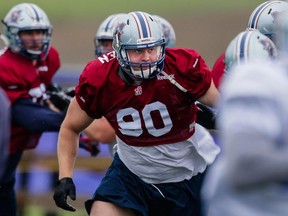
(139, 30)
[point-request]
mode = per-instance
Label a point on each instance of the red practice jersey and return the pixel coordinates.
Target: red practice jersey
(18, 76)
(156, 111)
(218, 70)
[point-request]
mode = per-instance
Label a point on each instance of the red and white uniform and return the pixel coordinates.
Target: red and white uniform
(151, 114)
(19, 78)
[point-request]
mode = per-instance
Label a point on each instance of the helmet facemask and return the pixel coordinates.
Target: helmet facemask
(142, 70)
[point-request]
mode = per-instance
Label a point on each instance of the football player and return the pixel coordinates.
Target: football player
(160, 160)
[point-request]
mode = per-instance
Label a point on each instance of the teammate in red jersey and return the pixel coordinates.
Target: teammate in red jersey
(26, 68)
(147, 93)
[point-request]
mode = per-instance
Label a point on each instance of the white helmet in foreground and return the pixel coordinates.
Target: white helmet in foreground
(264, 18)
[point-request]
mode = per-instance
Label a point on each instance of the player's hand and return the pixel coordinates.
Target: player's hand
(206, 116)
(65, 187)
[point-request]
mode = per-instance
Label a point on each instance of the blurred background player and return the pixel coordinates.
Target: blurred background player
(27, 67)
(104, 35)
(262, 18)
(168, 31)
(246, 177)
(4, 129)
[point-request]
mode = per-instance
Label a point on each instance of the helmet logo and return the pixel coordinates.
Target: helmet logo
(15, 16)
(119, 31)
(275, 15)
(144, 40)
(120, 27)
(267, 46)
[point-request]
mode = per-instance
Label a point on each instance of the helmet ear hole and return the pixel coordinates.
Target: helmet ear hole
(24, 17)
(105, 31)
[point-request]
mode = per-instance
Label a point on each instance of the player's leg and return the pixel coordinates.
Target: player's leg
(109, 209)
(120, 193)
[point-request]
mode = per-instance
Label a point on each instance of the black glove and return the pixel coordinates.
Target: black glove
(65, 187)
(70, 91)
(53, 87)
(206, 116)
(59, 99)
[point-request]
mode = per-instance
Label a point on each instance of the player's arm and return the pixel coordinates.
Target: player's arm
(206, 116)
(100, 130)
(76, 120)
(211, 97)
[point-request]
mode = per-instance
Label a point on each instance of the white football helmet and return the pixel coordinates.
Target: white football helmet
(168, 31)
(22, 17)
(105, 32)
(139, 30)
(247, 46)
(264, 18)
(282, 36)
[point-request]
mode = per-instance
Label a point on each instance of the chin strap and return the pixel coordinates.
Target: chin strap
(173, 81)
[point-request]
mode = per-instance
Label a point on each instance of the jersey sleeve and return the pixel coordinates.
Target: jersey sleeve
(218, 70)
(194, 75)
(88, 90)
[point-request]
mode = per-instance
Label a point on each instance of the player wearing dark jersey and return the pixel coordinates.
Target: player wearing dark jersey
(147, 93)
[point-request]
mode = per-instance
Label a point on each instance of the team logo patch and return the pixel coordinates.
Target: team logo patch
(15, 16)
(138, 91)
